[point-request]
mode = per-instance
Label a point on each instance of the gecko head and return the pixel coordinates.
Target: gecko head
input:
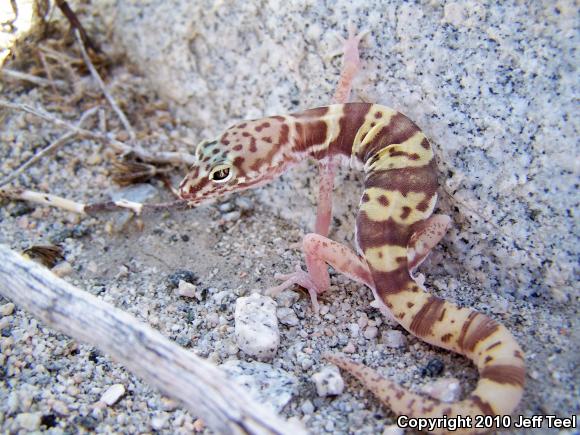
(247, 155)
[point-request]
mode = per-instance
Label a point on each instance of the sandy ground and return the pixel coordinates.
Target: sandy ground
(50, 383)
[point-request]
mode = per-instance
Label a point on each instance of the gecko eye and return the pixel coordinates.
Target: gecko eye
(221, 173)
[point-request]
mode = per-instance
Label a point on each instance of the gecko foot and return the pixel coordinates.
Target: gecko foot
(301, 278)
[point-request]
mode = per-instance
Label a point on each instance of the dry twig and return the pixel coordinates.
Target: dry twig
(199, 385)
(106, 93)
(39, 81)
(90, 208)
(161, 157)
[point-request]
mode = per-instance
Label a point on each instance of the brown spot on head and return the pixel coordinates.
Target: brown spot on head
(380, 254)
(365, 198)
(406, 212)
(378, 115)
(425, 144)
(410, 304)
(488, 359)
(383, 200)
(445, 338)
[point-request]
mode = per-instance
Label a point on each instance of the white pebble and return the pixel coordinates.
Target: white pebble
(446, 389)
(60, 407)
(349, 348)
(226, 207)
(7, 309)
(328, 381)
(231, 216)
(393, 338)
(287, 316)
(186, 289)
(244, 204)
(28, 420)
(393, 429)
(157, 423)
(371, 332)
(62, 269)
(256, 326)
(113, 394)
(307, 407)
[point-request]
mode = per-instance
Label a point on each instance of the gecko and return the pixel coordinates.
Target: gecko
(395, 231)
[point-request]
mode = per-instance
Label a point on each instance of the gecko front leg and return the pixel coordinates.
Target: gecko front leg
(320, 251)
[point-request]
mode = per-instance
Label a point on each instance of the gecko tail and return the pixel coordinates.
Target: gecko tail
(492, 348)
(484, 400)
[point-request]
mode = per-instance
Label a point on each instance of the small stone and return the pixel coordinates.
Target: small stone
(198, 425)
(186, 289)
(393, 429)
(244, 204)
(168, 404)
(113, 394)
(433, 368)
(287, 316)
(256, 326)
(349, 348)
(226, 207)
(328, 381)
(92, 267)
(446, 389)
(7, 309)
(307, 407)
(371, 332)
(62, 269)
(393, 338)
(181, 275)
(29, 420)
(287, 298)
(159, 422)
(232, 216)
(60, 407)
(94, 159)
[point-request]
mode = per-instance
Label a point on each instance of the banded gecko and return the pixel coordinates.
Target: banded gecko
(395, 231)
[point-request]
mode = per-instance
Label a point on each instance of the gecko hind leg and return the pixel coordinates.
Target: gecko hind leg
(320, 251)
(428, 234)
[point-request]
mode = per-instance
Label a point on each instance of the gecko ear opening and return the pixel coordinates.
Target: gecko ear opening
(221, 173)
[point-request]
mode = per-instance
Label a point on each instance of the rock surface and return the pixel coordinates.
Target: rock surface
(492, 85)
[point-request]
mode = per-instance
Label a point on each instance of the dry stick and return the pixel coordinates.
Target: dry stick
(90, 208)
(200, 386)
(49, 149)
(101, 84)
(39, 81)
(160, 157)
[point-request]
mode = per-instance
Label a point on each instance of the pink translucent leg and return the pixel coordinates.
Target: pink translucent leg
(426, 238)
(320, 251)
(327, 167)
(350, 66)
